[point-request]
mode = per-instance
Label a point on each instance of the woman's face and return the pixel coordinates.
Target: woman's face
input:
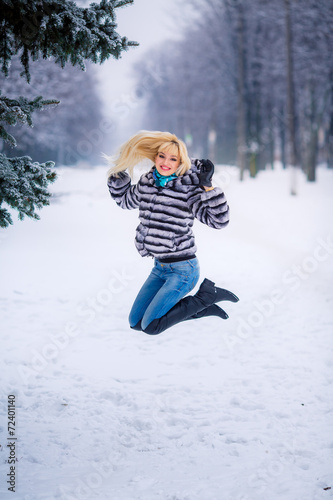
(166, 164)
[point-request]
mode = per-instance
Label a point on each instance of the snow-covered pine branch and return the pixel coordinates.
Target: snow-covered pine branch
(60, 29)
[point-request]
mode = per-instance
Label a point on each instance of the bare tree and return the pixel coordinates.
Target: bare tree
(249, 82)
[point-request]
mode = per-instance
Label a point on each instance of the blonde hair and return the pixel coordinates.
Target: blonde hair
(147, 144)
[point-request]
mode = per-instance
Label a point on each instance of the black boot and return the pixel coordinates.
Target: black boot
(137, 327)
(184, 309)
(213, 310)
(221, 293)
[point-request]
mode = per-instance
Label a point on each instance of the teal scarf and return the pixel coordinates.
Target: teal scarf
(161, 180)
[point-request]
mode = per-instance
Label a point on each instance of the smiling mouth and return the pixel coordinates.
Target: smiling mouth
(164, 168)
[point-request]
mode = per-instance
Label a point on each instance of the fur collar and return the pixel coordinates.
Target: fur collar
(191, 177)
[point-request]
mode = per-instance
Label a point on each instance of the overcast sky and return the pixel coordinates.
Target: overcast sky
(148, 22)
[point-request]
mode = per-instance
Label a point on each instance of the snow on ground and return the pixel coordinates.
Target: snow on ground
(208, 410)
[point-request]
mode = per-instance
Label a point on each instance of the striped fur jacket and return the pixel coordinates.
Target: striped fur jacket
(167, 213)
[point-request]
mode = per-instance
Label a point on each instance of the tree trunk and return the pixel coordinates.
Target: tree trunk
(290, 99)
(253, 164)
(311, 156)
(283, 142)
(312, 144)
(329, 139)
(272, 149)
(241, 116)
(315, 122)
(330, 143)
(254, 103)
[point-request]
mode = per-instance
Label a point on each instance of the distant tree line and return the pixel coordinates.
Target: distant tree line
(248, 82)
(59, 132)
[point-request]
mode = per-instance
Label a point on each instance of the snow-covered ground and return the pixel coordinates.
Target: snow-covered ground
(208, 410)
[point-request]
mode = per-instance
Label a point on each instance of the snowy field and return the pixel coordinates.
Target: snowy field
(208, 410)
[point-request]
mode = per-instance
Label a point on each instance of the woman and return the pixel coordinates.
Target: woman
(169, 196)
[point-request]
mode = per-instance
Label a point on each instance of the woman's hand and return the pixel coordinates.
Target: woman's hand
(206, 174)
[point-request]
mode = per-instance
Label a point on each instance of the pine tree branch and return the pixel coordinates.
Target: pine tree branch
(60, 29)
(122, 3)
(23, 186)
(22, 183)
(13, 111)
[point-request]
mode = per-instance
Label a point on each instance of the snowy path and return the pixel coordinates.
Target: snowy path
(210, 410)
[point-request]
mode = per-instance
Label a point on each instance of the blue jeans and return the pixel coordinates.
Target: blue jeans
(164, 287)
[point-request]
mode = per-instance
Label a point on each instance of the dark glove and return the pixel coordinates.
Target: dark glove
(206, 173)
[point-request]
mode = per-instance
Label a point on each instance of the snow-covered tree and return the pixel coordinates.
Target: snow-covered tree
(46, 29)
(60, 29)
(313, 42)
(22, 183)
(57, 133)
(227, 82)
